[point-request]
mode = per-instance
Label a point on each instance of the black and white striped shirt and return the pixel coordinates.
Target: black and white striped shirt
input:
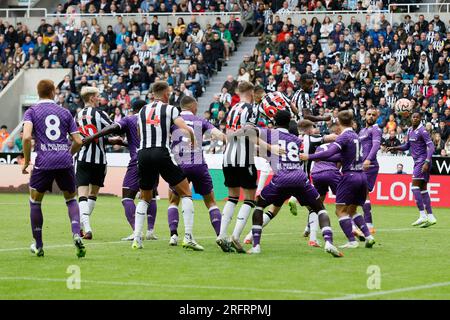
(90, 121)
(391, 100)
(301, 101)
(144, 54)
(401, 54)
(310, 144)
(239, 152)
(155, 120)
(438, 45)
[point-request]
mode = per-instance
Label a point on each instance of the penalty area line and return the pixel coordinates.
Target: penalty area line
(165, 285)
(393, 291)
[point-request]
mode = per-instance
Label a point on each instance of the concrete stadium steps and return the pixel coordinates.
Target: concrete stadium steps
(215, 85)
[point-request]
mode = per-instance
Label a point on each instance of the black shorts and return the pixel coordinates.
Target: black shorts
(90, 173)
(153, 162)
(243, 177)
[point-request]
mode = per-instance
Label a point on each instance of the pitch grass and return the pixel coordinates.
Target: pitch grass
(286, 269)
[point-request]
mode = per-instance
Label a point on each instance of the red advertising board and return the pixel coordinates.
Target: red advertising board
(395, 190)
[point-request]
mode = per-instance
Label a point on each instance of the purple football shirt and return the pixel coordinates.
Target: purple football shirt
(290, 143)
(129, 125)
(328, 164)
(348, 145)
(370, 139)
(185, 154)
(419, 144)
(51, 126)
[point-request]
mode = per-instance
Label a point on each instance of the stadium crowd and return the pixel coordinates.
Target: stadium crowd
(255, 7)
(124, 60)
(354, 66)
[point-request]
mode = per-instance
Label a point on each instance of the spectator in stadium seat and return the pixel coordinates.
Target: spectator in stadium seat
(4, 134)
(230, 84)
(400, 169)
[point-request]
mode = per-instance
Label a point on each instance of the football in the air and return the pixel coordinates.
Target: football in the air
(403, 106)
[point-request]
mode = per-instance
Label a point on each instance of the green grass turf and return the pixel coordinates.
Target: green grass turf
(286, 269)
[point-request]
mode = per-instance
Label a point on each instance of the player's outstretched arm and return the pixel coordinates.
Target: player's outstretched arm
(330, 138)
(402, 147)
(179, 122)
(26, 144)
(216, 134)
(112, 128)
(77, 143)
(332, 149)
(317, 118)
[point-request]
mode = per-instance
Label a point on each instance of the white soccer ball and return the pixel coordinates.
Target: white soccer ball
(403, 106)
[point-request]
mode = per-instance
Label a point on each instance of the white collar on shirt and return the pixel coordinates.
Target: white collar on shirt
(186, 112)
(45, 101)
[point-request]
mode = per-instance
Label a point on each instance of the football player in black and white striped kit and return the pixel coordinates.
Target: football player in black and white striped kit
(91, 160)
(239, 167)
(155, 158)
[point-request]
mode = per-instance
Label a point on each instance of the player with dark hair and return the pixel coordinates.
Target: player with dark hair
(50, 125)
(155, 158)
(289, 180)
(370, 138)
(130, 186)
(421, 148)
(193, 164)
(352, 189)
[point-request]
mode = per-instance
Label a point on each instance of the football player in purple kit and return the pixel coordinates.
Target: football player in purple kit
(325, 175)
(50, 125)
(130, 186)
(352, 189)
(421, 148)
(191, 161)
(370, 139)
(289, 180)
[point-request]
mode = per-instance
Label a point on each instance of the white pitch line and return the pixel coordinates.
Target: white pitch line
(206, 237)
(164, 285)
(386, 292)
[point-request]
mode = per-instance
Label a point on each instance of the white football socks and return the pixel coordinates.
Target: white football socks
(139, 217)
(187, 207)
(91, 204)
(84, 216)
(242, 217)
(227, 215)
(313, 226)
